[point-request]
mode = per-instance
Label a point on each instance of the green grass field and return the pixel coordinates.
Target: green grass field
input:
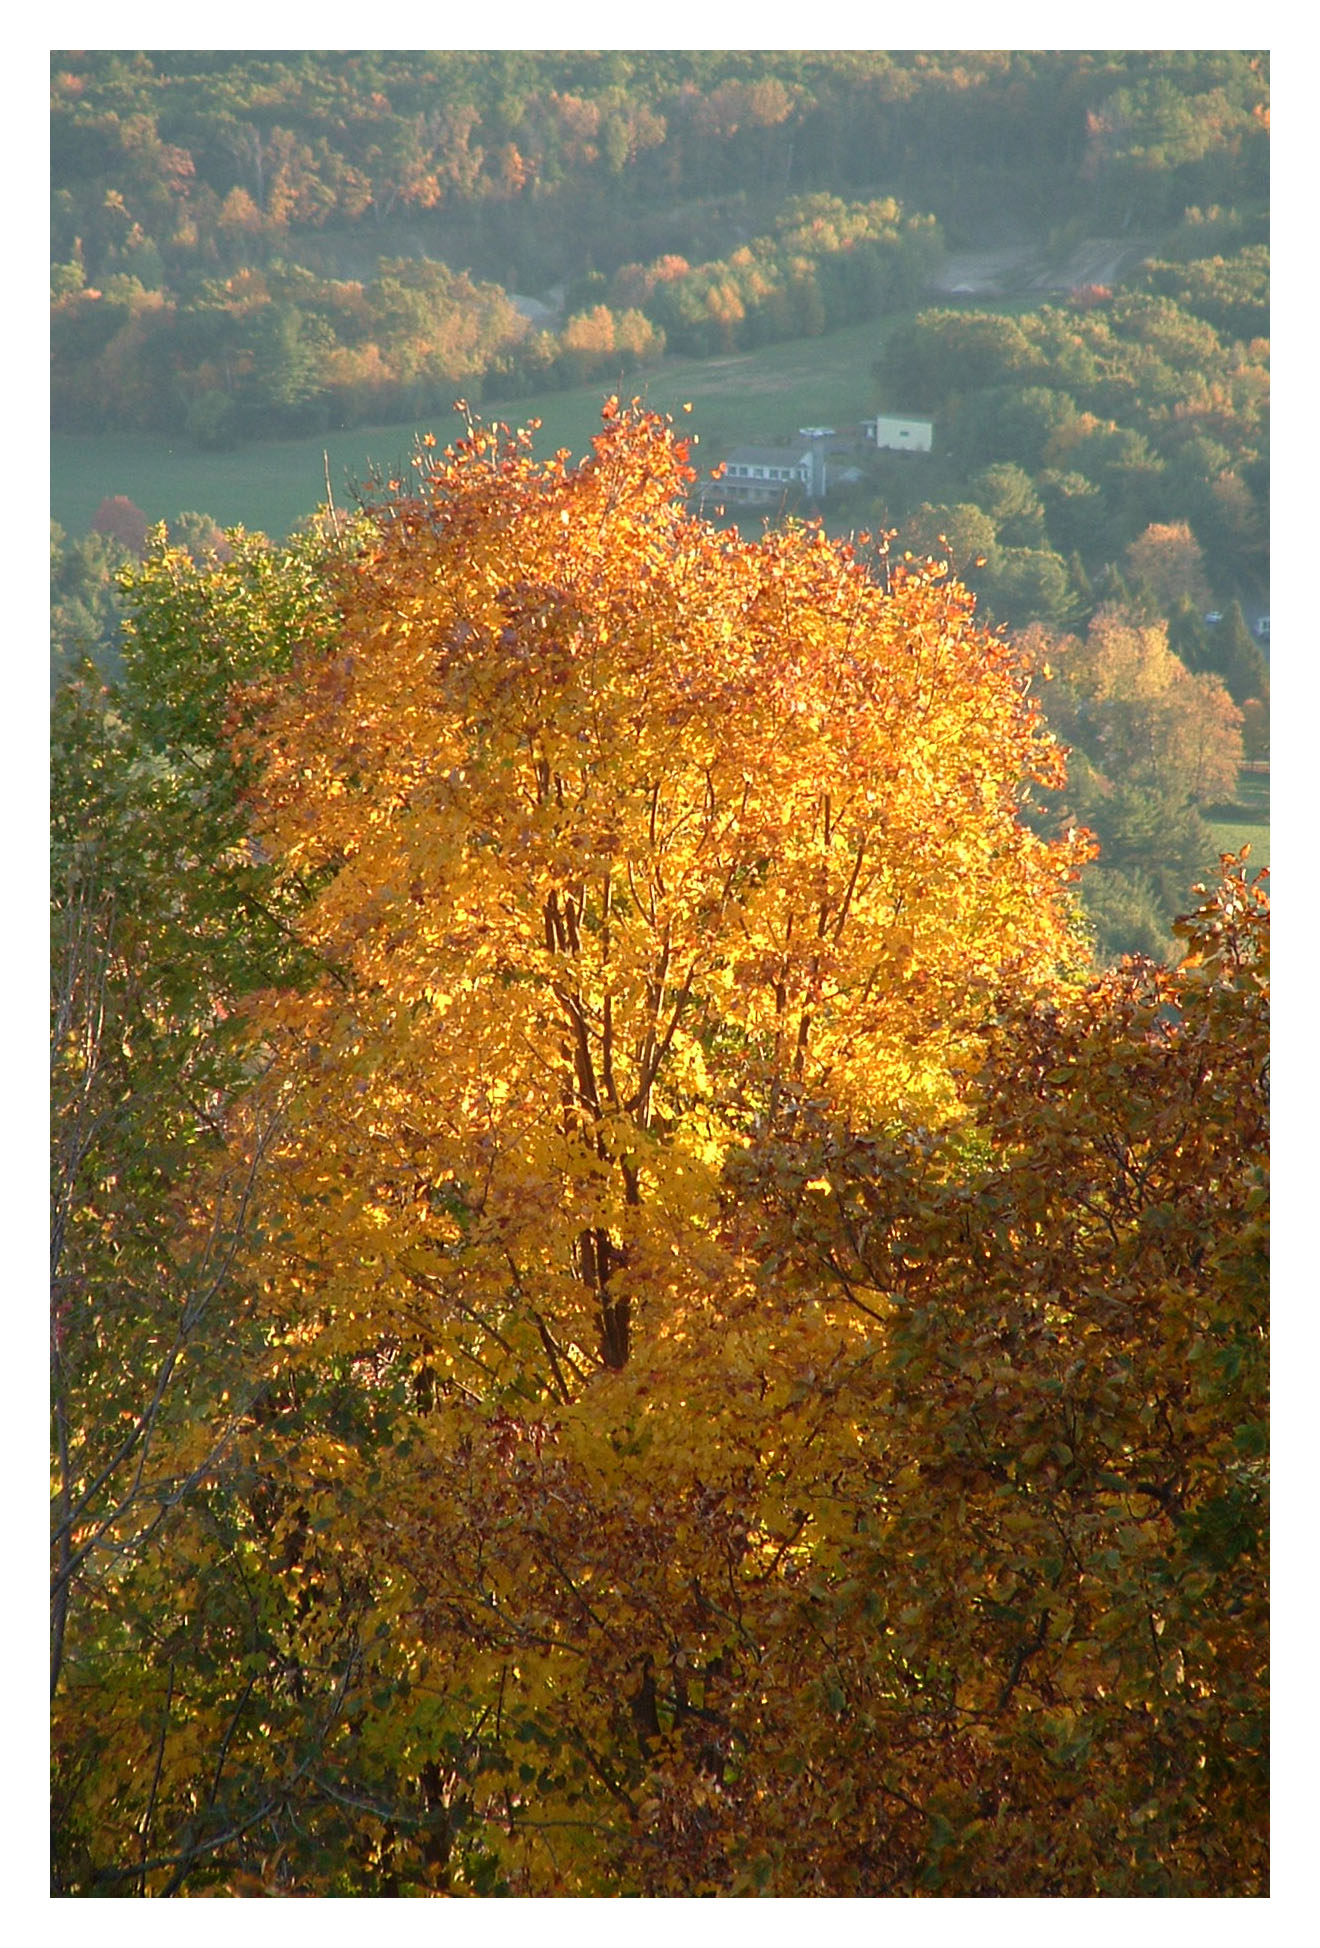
(1231, 837)
(1247, 822)
(747, 396)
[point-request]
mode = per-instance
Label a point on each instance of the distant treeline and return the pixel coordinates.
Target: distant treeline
(257, 243)
(279, 348)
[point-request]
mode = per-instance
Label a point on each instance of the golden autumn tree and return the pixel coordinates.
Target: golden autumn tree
(624, 845)
(1148, 719)
(629, 835)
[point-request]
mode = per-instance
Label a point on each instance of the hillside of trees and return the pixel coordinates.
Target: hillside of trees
(628, 1316)
(1103, 467)
(245, 244)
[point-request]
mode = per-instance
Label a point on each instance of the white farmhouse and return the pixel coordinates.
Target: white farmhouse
(764, 473)
(904, 435)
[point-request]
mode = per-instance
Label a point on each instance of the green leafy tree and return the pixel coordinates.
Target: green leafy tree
(84, 601)
(201, 536)
(1024, 585)
(212, 421)
(165, 1633)
(962, 535)
(284, 378)
(1010, 499)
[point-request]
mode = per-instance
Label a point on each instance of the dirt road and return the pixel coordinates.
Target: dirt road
(1021, 269)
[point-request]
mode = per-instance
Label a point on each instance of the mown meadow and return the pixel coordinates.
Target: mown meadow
(756, 395)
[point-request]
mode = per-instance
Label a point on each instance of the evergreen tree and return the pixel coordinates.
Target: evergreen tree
(1236, 656)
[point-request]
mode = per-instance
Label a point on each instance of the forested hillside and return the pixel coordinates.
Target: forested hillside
(659, 1220)
(242, 244)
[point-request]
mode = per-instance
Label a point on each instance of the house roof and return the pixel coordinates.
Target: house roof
(768, 456)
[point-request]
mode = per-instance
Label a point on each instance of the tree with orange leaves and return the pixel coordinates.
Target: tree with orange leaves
(629, 835)
(624, 845)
